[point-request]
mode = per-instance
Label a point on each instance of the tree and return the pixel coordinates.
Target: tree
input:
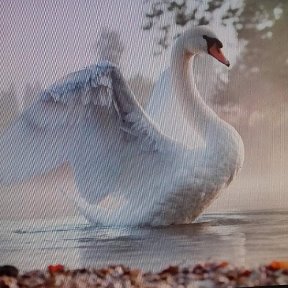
(266, 38)
(264, 63)
(170, 17)
(109, 46)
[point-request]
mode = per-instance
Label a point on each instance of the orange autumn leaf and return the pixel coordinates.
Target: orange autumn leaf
(276, 265)
(222, 264)
(56, 268)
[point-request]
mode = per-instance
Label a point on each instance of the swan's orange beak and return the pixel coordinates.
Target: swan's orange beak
(216, 52)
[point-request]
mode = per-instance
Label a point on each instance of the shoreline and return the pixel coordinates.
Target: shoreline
(204, 275)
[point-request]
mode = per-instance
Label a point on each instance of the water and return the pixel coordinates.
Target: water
(244, 238)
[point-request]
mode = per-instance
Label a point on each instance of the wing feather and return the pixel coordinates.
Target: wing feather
(104, 85)
(39, 140)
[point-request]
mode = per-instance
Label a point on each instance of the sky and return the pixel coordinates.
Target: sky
(45, 40)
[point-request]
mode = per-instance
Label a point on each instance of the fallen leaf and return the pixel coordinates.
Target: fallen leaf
(276, 265)
(56, 268)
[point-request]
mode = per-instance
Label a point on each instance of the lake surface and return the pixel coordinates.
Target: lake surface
(247, 238)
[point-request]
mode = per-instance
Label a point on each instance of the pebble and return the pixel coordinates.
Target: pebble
(8, 270)
(202, 275)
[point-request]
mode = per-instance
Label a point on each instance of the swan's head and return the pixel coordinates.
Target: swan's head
(203, 40)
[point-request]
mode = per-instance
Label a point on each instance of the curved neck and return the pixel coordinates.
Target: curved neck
(196, 111)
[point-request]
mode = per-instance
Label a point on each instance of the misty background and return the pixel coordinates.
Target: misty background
(41, 41)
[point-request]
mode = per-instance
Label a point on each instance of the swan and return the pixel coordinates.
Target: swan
(131, 166)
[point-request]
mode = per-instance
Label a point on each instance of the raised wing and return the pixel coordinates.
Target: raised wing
(39, 140)
(104, 85)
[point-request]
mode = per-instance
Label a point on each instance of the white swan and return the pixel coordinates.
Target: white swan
(129, 169)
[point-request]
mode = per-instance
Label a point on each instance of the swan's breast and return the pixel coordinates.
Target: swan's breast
(229, 153)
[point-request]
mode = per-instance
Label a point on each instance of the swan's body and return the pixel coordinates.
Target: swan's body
(130, 169)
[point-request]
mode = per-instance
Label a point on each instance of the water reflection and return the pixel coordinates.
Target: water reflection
(154, 249)
(244, 239)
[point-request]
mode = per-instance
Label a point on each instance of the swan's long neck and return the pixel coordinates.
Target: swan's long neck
(196, 111)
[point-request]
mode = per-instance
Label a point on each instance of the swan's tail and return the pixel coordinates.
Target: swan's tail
(109, 211)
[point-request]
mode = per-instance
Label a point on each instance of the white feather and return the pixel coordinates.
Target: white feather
(147, 165)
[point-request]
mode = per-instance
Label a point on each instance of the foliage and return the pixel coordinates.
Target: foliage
(170, 17)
